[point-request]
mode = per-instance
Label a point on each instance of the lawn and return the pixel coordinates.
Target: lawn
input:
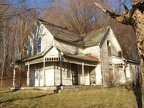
(85, 98)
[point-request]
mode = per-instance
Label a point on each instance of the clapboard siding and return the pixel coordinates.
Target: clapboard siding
(65, 79)
(92, 60)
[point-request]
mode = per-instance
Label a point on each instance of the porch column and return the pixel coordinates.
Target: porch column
(14, 76)
(44, 72)
(28, 72)
(60, 56)
(83, 79)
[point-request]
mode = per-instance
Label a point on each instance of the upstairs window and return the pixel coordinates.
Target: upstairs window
(68, 71)
(120, 54)
(30, 48)
(39, 45)
(109, 48)
(30, 51)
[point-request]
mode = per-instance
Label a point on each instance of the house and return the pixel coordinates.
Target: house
(58, 56)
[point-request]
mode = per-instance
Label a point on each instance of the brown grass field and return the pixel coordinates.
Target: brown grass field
(117, 97)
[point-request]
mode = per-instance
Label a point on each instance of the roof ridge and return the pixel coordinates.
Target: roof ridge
(95, 30)
(64, 28)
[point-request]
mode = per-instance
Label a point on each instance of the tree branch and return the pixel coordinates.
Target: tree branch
(137, 3)
(120, 18)
(15, 14)
(126, 8)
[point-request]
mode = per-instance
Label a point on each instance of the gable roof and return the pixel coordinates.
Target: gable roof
(92, 38)
(62, 33)
(95, 37)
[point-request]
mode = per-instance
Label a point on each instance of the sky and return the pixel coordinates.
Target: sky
(115, 3)
(41, 4)
(36, 3)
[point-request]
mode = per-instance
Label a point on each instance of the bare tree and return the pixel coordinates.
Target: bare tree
(79, 16)
(14, 21)
(135, 18)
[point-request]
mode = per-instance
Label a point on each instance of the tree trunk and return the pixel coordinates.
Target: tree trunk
(135, 18)
(138, 25)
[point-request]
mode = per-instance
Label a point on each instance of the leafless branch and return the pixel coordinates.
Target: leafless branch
(126, 8)
(19, 13)
(119, 18)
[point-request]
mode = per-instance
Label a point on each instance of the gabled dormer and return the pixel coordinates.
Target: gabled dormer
(38, 39)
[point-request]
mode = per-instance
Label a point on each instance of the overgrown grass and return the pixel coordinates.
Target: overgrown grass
(88, 98)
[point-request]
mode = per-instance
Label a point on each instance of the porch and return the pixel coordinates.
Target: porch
(58, 70)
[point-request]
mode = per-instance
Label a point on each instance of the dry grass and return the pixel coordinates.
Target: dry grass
(88, 98)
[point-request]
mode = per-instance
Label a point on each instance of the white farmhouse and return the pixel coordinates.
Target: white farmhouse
(57, 56)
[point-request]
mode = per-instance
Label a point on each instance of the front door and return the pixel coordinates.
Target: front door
(39, 81)
(49, 72)
(92, 76)
(39, 76)
(74, 74)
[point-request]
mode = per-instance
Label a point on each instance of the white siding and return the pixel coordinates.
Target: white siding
(106, 60)
(86, 75)
(115, 47)
(52, 53)
(47, 38)
(132, 72)
(65, 79)
(80, 79)
(94, 50)
(98, 75)
(40, 31)
(49, 74)
(87, 79)
(67, 47)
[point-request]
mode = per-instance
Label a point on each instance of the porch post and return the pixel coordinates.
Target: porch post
(60, 56)
(83, 79)
(14, 76)
(28, 72)
(44, 72)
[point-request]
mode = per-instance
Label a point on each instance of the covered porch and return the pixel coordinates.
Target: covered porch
(63, 70)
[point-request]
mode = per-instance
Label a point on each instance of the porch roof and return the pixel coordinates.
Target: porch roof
(83, 57)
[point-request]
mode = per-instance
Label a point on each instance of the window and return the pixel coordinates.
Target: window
(68, 70)
(119, 54)
(109, 48)
(30, 51)
(39, 45)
